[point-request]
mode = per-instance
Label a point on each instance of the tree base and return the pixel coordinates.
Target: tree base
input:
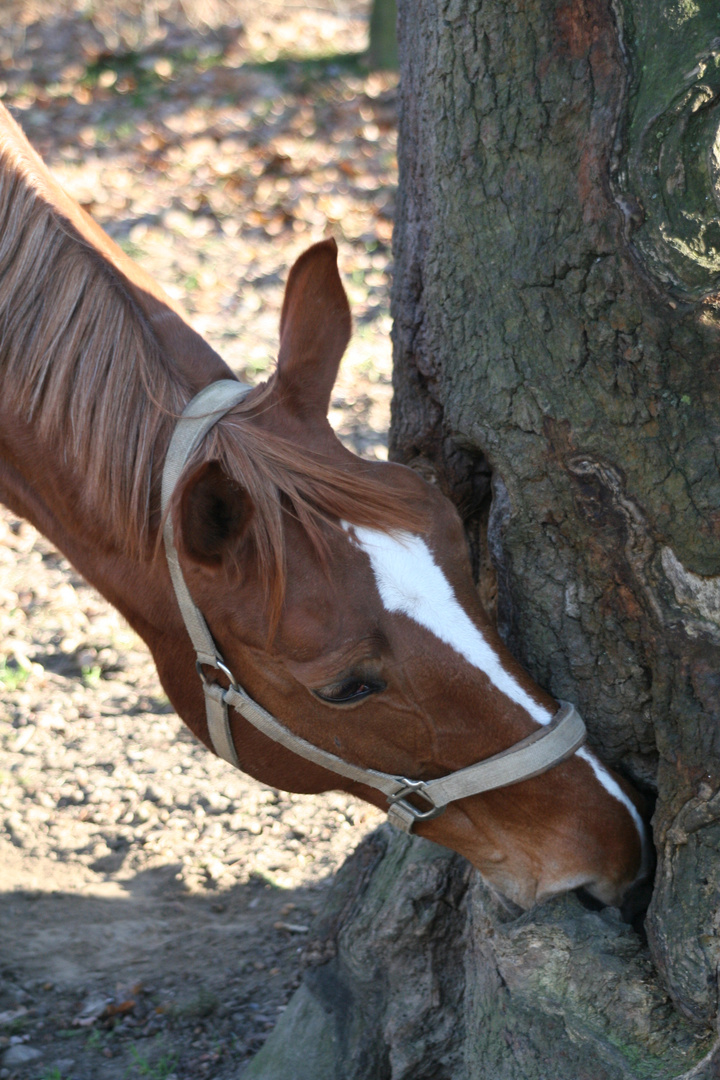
(416, 971)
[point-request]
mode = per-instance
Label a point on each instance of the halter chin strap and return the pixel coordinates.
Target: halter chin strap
(531, 756)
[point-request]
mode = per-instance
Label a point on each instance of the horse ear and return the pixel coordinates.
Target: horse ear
(213, 516)
(314, 331)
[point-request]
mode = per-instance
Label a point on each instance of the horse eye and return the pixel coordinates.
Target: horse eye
(347, 690)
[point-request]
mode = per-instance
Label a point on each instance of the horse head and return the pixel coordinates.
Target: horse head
(347, 608)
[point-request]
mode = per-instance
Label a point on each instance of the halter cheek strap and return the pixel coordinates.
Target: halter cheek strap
(530, 757)
(202, 413)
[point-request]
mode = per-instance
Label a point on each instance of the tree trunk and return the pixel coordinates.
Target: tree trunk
(557, 325)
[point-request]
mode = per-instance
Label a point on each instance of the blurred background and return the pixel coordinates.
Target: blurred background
(155, 905)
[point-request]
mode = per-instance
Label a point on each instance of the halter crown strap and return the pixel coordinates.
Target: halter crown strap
(530, 757)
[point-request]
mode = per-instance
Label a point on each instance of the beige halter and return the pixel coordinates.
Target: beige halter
(531, 756)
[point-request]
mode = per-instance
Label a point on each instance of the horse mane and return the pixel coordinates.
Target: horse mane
(80, 361)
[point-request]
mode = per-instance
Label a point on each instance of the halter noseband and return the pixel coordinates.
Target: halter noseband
(530, 757)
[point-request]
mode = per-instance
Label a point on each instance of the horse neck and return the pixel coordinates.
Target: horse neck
(39, 479)
(38, 485)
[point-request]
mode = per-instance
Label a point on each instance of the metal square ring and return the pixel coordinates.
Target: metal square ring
(415, 787)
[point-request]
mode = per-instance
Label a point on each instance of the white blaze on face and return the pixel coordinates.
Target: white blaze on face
(410, 581)
(617, 792)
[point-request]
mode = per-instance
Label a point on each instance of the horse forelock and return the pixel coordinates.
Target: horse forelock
(287, 481)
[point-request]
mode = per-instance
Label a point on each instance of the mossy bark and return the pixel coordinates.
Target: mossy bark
(557, 325)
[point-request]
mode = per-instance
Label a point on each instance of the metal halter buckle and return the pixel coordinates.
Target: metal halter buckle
(220, 666)
(415, 787)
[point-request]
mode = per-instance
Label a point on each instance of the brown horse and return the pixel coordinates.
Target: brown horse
(338, 590)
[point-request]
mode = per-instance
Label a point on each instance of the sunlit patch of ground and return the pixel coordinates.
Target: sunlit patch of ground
(135, 866)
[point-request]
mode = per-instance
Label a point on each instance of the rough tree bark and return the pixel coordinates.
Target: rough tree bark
(557, 326)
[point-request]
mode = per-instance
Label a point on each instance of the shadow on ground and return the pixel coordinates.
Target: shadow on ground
(114, 980)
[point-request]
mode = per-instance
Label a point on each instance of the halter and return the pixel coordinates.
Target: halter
(530, 757)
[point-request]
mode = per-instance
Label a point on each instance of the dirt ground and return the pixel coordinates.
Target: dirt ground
(154, 903)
